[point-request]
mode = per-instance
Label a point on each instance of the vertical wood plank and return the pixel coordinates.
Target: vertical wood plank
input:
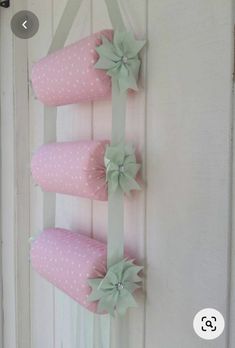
(42, 294)
(22, 188)
(22, 192)
(7, 182)
(15, 257)
(189, 99)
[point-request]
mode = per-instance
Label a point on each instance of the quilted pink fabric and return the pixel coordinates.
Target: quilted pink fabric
(68, 76)
(67, 260)
(73, 168)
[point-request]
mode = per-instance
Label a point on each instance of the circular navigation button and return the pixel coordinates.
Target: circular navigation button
(208, 323)
(24, 24)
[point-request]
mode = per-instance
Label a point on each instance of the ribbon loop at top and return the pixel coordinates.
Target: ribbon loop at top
(115, 14)
(70, 12)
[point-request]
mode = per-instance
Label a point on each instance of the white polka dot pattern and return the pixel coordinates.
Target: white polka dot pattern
(73, 168)
(68, 76)
(68, 260)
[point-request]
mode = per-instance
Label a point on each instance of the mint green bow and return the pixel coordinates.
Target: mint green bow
(114, 291)
(120, 58)
(121, 168)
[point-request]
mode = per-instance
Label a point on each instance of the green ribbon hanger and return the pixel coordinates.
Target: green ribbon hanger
(121, 61)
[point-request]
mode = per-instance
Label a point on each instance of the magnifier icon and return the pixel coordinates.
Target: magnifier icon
(209, 324)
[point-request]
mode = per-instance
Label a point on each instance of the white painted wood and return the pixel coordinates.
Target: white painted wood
(188, 154)
(15, 185)
(42, 293)
(7, 187)
(7, 184)
(179, 226)
(22, 187)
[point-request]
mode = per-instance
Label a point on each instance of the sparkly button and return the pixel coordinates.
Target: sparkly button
(124, 59)
(119, 286)
(121, 168)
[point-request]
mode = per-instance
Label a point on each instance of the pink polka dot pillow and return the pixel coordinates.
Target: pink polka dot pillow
(68, 76)
(72, 168)
(68, 260)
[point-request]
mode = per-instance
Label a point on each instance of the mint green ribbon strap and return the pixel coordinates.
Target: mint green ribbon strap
(115, 14)
(120, 60)
(115, 238)
(119, 100)
(66, 22)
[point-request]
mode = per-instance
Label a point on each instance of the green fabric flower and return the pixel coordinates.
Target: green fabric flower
(121, 167)
(120, 58)
(114, 291)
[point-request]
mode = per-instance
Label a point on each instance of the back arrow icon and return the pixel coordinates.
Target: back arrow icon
(24, 24)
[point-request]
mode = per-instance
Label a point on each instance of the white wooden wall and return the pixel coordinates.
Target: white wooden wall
(179, 227)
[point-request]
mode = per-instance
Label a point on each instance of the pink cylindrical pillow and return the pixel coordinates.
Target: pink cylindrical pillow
(68, 76)
(68, 260)
(73, 168)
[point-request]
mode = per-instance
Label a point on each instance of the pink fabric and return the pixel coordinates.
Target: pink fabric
(68, 260)
(73, 168)
(68, 76)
